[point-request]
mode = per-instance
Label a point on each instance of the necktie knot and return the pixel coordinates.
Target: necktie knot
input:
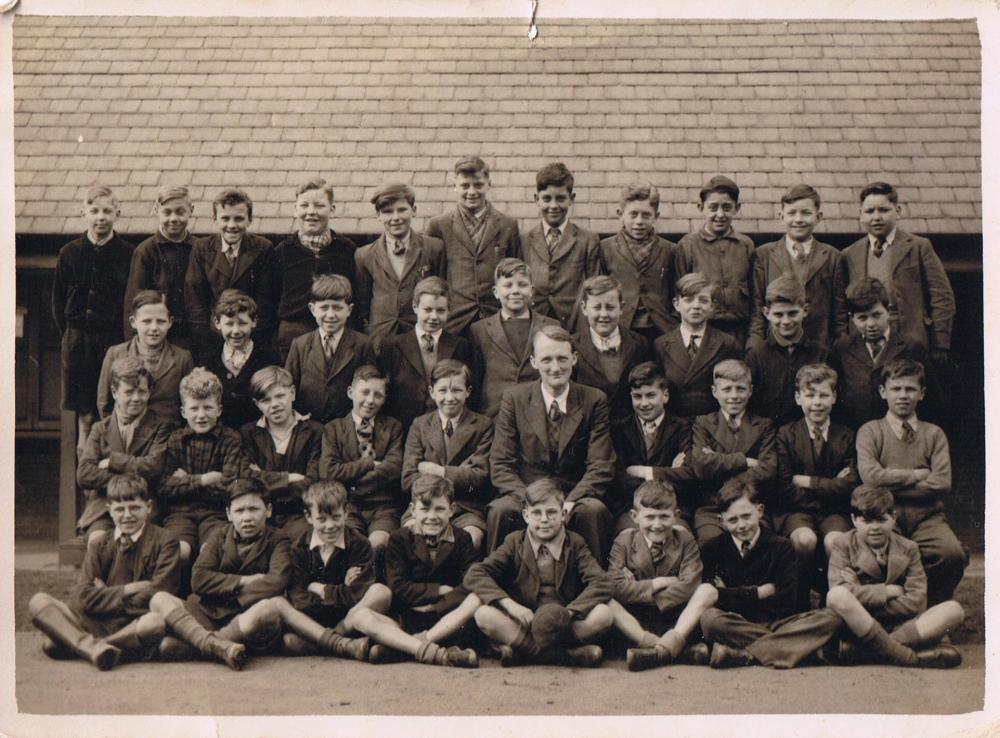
(553, 237)
(555, 414)
(449, 429)
(427, 341)
(125, 543)
(733, 423)
(693, 345)
(878, 248)
(799, 251)
(398, 247)
(656, 552)
(909, 433)
(744, 549)
(609, 350)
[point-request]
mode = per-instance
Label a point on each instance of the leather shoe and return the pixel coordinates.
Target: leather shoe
(940, 657)
(724, 657)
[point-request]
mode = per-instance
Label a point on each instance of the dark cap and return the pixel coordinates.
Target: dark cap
(390, 193)
(249, 486)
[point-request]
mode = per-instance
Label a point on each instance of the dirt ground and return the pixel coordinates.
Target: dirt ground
(273, 686)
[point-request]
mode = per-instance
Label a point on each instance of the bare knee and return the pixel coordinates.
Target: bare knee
(952, 613)
(95, 538)
(477, 537)
(803, 541)
(378, 598)
(839, 599)
(151, 625)
(164, 602)
(829, 540)
(487, 617)
(601, 616)
(378, 539)
(39, 601)
(185, 551)
(360, 618)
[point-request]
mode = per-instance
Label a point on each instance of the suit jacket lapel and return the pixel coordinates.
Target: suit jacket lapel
(866, 560)
(495, 331)
(315, 356)
(249, 251)
(587, 353)
(115, 442)
(642, 559)
(896, 562)
(537, 416)
(626, 252)
(446, 346)
(413, 254)
(464, 430)
(707, 350)
(803, 445)
(219, 262)
(342, 356)
(491, 231)
(780, 258)
(574, 414)
(536, 243)
(817, 259)
(900, 248)
(567, 240)
(410, 348)
(382, 260)
(671, 553)
(143, 432)
(562, 565)
(458, 228)
(530, 565)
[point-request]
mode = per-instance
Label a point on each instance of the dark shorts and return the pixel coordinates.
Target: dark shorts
(103, 523)
(652, 619)
(82, 354)
(367, 520)
(101, 627)
(265, 639)
(785, 523)
(468, 636)
(193, 526)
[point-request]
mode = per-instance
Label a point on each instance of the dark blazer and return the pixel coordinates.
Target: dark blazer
(415, 579)
(209, 273)
(341, 461)
(773, 370)
(161, 265)
(727, 262)
(512, 571)
(825, 283)
(691, 381)
(215, 577)
(584, 465)
(467, 464)
(672, 437)
(828, 493)
(771, 561)
(308, 567)
(321, 391)
(471, 271)
(853, 565)
(400, 358)
(238, 407)
(155, 557)
(922, 300)
(557, 277)
(634, 350)
(164, 401)
(496, 365)
(301, 457)
(858, 400)
(383, 301)
(754, 440)
(143, 457)
(681, 559)
(88, 286)
(651, 283)
(298, 264)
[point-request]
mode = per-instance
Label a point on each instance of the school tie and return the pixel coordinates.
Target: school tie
(693, 346)
(546, 565)
(798, 251)
(365, 432)
(875, 346)
(909, 434)
(817, 443)
(878, 248)
(449, 428)
(744, 549)
(552, 239)
(427, 343)
(398, 248)
(328, 347)
(649, 434)
(555, 414)
(656, 552)
(554, 417)
(609, 350)
(125, 543)
(733, 423)
(880, 555)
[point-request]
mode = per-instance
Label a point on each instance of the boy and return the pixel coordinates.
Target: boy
(559, 254)
(910, 458)
(754, 572)
(650, 445)
(235, 318)
(389, 268)
(861, 356)
(160, 262)
(818, 267)
(921, 301)
(722, 255)
(108, 617)
(816, 473)
(364, 451)
(425, 565)
(88, 292)
(282, 448)
(476, 237)
(165, 363)
(501, 343)
(558, 429)
(876, 580)
(689, 352)
(642, 262)
(453, 442)
(130, 440)
(729, 443)
(544, 596)
(774, 361)
(232, 258)
(314, 248)
(323, 361)
(409, 358)
(656, 569)
(240, 568)
(200, 462)
(607, 350)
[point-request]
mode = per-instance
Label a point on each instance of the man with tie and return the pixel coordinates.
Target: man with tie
(910, 457)
(558, 429)
(389, 268)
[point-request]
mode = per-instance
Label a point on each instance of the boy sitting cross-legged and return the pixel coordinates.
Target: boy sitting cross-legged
(656, 568)
(544, 594)
(754, 620)
(239, 569)
(876, 580)
(108, 617)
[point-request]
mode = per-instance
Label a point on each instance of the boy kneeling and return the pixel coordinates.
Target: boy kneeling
(545, 595)
(108, 618)
(876, 580)
(656, 570)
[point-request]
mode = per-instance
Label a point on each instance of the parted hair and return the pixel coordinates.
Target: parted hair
(864, 294)
(732, 369)
(902, 367)
(472, 165)
(129, 369)
(655, 493)
(148, 297)
(230, 197)
(428, 486)
(326, 497)
(554, 333)
(801, 192)
(369, 371)
(316, 183)
(785, 288)
(735, 489)
(100, 191)
(594, 286)
(721, 184)
(432, 285)
(880, 188)
(172, 192)
(646, 373)
(542, 489)
(871, 503)
(555, 174)
(331, 287)
(450, 368)
(232, 302)
(125, 487)
(264, 379)
(691, 284)
(813, 374)
(508, 267)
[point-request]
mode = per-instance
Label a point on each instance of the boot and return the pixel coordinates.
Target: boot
(464, 658)
(184, 625)
(510, 657)
(435, 654)
(174, 649)
(696, 654)
(587, 657)
(641, 659)
(56, 651)
(940, 657)
(881, 642)
(334, 644)
(140, 639)
(53, 622)
(724, 657)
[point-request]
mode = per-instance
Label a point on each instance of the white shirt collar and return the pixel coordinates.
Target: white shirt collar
(738, 418)
(504, 315)
(897, 425)
(613, 341)
(133, 424)
(334, 339)
(358, 421)
(228, 351)
(806, 246)
(436, 335)
(228, 248)
(101, 242)
(555, 546)
(888, 239)
(546, 228)
(824, 429)
(315, 542)
(296, 415)
(390, 241)
(454, 421)
(560, 401)
(135, 536)
(753, 541)
(649, 543)
(448, 534)
(655, 423)
(686, 334)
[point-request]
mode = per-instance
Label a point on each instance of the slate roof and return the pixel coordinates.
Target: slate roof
(264, 103)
